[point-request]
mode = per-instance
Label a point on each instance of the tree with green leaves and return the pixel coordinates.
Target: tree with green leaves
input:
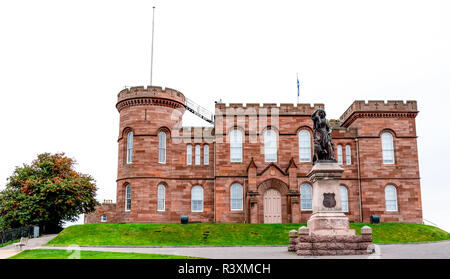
(48, 192)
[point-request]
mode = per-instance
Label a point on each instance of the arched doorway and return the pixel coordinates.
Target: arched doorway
(272, 206)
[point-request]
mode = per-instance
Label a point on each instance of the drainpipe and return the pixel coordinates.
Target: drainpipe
(214, 181)
(359, 181)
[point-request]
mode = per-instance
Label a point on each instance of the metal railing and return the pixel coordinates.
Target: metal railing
(14, 234)
(199, 111)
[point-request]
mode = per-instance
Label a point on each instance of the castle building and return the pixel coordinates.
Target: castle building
(252, 165)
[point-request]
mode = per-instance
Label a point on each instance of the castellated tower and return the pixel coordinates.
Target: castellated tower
(152, 158)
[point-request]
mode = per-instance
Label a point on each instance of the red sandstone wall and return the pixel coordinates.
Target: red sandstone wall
(145, 173)
(108, 209)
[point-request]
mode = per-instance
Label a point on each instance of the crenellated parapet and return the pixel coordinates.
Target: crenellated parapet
(194, 132)
(150, 95)
(378, 109)
(271, 108)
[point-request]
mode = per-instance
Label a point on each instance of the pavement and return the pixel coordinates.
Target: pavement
(33, 243)
(434, 250)
(430, 250)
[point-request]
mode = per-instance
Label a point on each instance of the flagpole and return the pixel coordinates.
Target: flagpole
(153, 31)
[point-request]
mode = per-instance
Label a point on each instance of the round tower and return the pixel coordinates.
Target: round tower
(147, 118)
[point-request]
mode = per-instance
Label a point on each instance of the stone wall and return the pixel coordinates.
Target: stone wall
(147, 111)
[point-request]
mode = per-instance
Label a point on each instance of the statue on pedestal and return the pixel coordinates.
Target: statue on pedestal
(323, 145)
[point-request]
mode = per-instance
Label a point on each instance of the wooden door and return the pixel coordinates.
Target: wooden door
(272, 206)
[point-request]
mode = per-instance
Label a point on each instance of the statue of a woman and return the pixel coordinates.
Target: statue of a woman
(323, 145)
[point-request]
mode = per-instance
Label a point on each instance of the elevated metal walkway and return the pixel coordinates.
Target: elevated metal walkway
(199, 111)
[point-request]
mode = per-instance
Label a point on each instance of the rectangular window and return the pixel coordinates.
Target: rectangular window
(339, 154)
(197, 155)
(189, 155)
(236, 146)
(161, 198)
(348, 155)
(206, 155)
(128, 199)
(270, 146)
(304, 143)
(130, 148)
(387, 142)
(162, 148)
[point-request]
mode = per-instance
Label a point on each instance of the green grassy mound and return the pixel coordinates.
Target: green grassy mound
(64, 254)
(225, 234)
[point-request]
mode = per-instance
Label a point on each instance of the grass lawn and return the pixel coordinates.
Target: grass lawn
(9, 243)
(64, 254)
(225, 234)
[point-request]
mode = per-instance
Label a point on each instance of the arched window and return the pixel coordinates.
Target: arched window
(306, 196)
(130, 148)
(304, 146)
(236, 199)
(197, 154)
(236, 146)
(162, 148)
(344, 198)
(128, 198)
(387, 142)
(189, 154)
(339, 154)
(161, 197)
(348, 155)
(206, 154)
(197, 199)
(270, 146)
(390, 193)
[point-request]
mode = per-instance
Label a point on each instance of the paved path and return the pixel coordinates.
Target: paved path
(435, 250)
(11, 250)
(432, 250)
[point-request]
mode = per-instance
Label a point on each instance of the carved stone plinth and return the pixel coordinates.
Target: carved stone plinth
(328, 231)
(305, 244)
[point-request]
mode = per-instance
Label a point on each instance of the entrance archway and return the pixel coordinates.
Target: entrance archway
(272, 206)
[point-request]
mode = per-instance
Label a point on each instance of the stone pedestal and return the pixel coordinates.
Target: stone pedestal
(327, 217)
(328, 231)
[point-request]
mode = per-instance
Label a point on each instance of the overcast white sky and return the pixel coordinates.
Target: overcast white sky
(62, 64)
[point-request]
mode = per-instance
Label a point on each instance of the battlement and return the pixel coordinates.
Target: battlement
(150, 95)
(250, 108)
(378, 106)
(192, 131)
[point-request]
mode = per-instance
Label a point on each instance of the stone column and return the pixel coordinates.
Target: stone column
(295, 206)
(327, 217)
(253, 207)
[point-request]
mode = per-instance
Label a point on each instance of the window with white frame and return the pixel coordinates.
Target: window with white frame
(161, 197)
(197, 199)
(189, 154)
(387, 142)
(344, 198)
(235, 146)
(304, 146)
(128, 197)
(104, 218)
(270, 146)
(390, 193)
(162, 148)
(348, 155)
(236, 194)
(130, 147)
(306, 197)
(339, 154)
(197, 154)
(206, 154)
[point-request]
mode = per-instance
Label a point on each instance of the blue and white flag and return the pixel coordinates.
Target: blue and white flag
(298, 87)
